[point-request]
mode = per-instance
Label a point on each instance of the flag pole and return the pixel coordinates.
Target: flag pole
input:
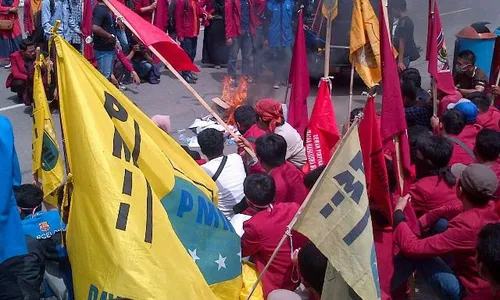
(496, 83)
(351, 89)
(182, 80)
(292, 223)
(433, 80)
(327, 47)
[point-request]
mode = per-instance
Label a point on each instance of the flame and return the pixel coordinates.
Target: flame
(234, 96)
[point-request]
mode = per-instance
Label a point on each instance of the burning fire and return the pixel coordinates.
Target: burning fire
(234, 95)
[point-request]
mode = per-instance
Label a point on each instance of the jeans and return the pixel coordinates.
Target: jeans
(281, 63)
(142, 68)
(189, 46)
(434, 271)
(245, 43)
(121, 35)
(105, 61)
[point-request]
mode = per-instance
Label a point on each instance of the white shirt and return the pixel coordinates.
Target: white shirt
(295, 151)
(229, 183)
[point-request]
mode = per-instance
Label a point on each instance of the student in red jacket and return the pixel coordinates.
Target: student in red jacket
(489, 116)
(187, 27)
(488, 256)
(435, 185)
(240, 22)
(246, 120)
(451, 125)
(487, 151)
(271, 151)
(461, 279)
(145, 9)
(264, 231)
(21, 63)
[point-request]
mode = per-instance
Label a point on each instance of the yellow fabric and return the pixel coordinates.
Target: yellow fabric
(250, 275)
(336, 219)
(365, 43)
(47, 163)
(330, 9)
(126, 234)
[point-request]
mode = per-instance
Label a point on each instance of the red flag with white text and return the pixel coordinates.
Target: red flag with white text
(322, 133)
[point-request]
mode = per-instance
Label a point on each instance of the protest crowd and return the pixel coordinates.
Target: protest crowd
(310, 210)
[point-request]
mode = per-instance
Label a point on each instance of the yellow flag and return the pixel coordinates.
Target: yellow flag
(330, 9)
(365, 43)
(336, 219)
(47, 162)
(143, 220)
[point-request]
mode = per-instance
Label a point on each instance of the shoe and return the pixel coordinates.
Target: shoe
(7, 66)
(189, 79)
(217, 67)
(276, 86)
(193, 75)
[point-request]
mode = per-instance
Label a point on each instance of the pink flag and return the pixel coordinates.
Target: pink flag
(299, 79)
(437, 54)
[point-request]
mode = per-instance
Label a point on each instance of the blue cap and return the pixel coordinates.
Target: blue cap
(467, 108)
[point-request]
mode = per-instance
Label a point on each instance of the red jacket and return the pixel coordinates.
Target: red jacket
(17, 70)
(251, 135)
(289, 182)
(430, 193)
(458, 241)
(262, 234)
(139, 4)
(161, 15)
(490, 119)
(232, 10)
(468, 137)
(187, 18)
(209, 8)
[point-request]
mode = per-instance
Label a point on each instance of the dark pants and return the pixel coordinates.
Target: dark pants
(18, 280)
(258, 50)
(245, 43)
(281, 63)
(23, 89)
(189, 46)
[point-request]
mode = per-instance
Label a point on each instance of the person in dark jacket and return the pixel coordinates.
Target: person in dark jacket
(475, 188)
(280, 38)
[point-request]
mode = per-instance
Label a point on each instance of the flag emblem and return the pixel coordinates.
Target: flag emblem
(44, 226)
(442, 58)
(50, 153)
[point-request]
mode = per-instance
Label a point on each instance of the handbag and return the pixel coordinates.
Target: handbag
(6, 24)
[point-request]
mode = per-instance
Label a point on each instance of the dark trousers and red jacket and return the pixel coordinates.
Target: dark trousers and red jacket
(187, 24)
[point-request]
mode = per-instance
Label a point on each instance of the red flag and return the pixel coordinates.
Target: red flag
(437, 54)
(299, 79)
(377, 179)
(393, 121)
(86, 27)
(151, 35)
(322, 133)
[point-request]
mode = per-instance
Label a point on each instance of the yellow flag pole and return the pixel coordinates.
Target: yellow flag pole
(181, 79)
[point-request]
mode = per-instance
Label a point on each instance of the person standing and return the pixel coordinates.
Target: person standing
(53, 10)
(10, 30)
(104, 39)
(187, 28)
(145, 9)
(76, 11)
(215, 50)
(240, 22)
(402, 35)
(280, 38)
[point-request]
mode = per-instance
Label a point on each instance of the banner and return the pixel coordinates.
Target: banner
(364, 51)
(299, 79)
(322, 132)
(336, 218)
(143, 220)
(47, 162)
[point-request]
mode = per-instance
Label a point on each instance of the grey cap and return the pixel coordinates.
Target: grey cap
(283, 295)
(476, 179)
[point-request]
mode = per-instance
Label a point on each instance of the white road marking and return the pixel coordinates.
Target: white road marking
(455, 11)
(11, 107)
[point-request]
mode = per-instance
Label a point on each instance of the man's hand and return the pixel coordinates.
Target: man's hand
(229, 41)
(153, 5)
(402, 202)
(243, 142)
(401, 66)
(120, 24)
(434, 121)
(13, 10)
(111, 39)
(210, 17)
(135, 78)
(495, 89)
(181, 39)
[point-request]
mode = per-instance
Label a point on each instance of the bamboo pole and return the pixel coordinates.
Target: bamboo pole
(351, 91)
(184, 82)
(433, 80)
(327, 48)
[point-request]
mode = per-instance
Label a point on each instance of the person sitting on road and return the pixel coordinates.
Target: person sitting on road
(416, 113)
(413, 75)
(227, 171)
(263, 231)
(469, 78)
(246, 121)
(312, 266)
(488, 256)
(489, 116)
(21, 70)
(476, 187)
(143, 63)
(271, 119)
(487, 151)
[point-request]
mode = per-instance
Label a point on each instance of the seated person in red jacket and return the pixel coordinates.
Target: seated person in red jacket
(451, 125)
(435, 185)
(488, 256)
(476, 187)
(489, 116)
(312, 268)
(487, 151)
(271, 152)
(22, 65)
(246, 121)
(264, 231)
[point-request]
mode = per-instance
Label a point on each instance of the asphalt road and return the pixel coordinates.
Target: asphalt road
(171, 97)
